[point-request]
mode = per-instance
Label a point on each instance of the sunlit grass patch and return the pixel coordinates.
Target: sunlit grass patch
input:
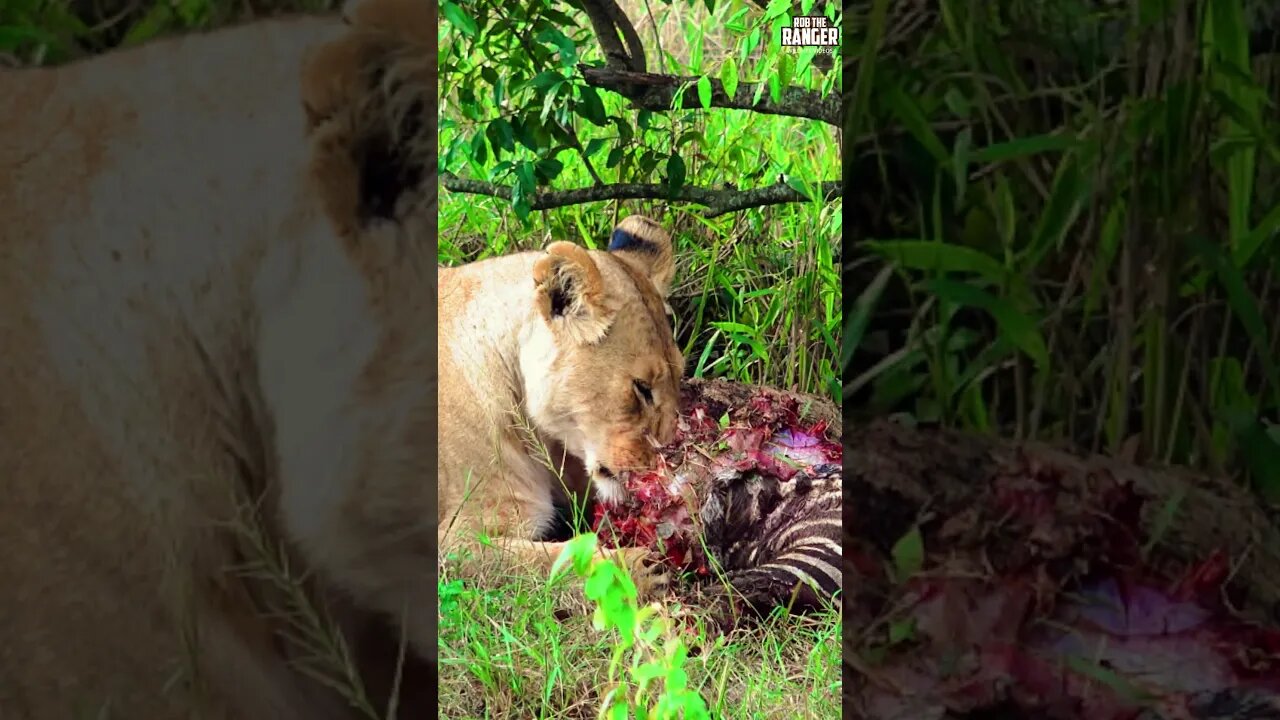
(513, 644)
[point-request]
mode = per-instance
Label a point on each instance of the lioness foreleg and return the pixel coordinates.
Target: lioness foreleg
(650, 579)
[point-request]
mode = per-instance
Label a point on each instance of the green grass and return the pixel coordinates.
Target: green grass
(1071, 227)
(515, 645)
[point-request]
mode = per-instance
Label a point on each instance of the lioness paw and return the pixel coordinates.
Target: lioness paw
(649, 575)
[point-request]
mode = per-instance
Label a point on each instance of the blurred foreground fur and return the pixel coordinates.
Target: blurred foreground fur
(217, 393)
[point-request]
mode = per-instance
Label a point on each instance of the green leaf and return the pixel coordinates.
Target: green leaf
(1067, 198)
(625, 133)
(500, 135)
(866, 69)
(568, 51)
(941, 257)
(1228, 32)
(1258, 238)
(796, 183)
(1164, 518)
(1120, 684)
(957, 103)
(675, 173)
(525, 176)
(591, 107)
(524, 133)
(649, 161)
(520, 202)
(908, 555)
(151, 24)
(735, 327)
(1019, 329)
(704, 92)
(556, 17)
(753, 41)
(960, 163)
(549, 168)
(689, 136)
(729, 76)
(1108, 244)
(1024, 147)
(549, 102)
(901, 630)
(458, 18)
(908, 112)
(479, 151)
(1243, 305)
(857, 321)
(544, 80)
(578, 551)
(12, 36)
(775, 87)
(785, 72)
(777, 8)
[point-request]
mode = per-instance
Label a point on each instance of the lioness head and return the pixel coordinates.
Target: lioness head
(602, 374)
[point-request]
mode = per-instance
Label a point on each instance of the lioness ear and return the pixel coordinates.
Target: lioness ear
(570, 293)
(644, 243)
(370, 101)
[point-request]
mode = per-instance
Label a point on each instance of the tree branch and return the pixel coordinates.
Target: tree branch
(718, 202)
(655, 92)
(607, 20)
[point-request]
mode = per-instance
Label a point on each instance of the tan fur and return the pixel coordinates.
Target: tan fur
(195, 304)
(556, 342)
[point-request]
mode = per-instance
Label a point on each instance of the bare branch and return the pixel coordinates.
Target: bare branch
(718, 202)
(656, 92)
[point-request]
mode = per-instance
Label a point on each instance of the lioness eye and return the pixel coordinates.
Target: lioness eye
(645, 391)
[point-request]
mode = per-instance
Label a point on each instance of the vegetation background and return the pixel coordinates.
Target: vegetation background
(1065, 225)
(757, 296)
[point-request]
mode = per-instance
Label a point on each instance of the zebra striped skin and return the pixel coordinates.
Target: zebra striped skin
(777, 543)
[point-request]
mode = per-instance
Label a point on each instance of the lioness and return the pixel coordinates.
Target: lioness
(544, 354)
(217, 284)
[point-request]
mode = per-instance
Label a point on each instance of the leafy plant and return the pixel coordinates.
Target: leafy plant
(655, 684)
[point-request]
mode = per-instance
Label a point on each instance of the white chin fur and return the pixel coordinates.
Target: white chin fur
(608, 490)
